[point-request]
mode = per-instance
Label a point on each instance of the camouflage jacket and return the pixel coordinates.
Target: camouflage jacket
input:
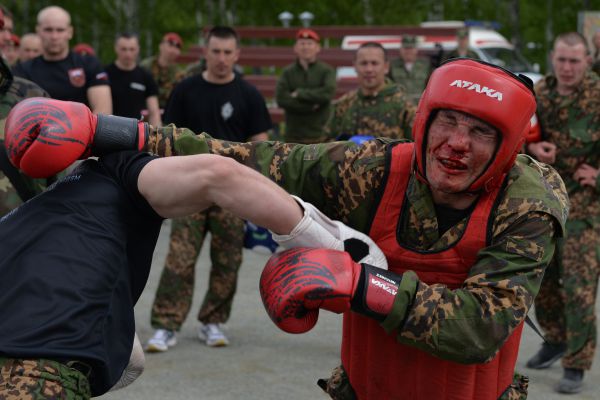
(345, 180)
(19, 90)
(388, 114)
(191, 69)
(165, 77)
(572, 123)
(307, 113)
(413, 81)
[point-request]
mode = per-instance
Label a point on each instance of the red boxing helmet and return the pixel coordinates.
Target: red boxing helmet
(490, 93)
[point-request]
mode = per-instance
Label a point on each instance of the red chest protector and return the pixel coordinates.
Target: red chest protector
(379, 367)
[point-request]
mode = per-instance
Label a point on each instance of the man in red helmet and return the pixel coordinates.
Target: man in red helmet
(467, 226)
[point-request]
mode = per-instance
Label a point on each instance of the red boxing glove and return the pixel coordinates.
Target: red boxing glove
(296, 283)
(44, 136)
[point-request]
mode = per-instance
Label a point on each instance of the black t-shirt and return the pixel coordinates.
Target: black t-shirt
(232, 111)
(130, 89)
(67, 79)
(74, 262)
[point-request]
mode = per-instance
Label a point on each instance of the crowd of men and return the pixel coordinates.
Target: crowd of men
(483, 224)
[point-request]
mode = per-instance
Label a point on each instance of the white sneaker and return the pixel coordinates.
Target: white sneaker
(212, 335)
(161, 341)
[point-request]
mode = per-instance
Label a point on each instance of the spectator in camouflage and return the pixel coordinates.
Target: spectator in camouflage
(410, 71)
(378, 107)
(462, 47)
(176, 287)
(220, 102)
(164, 67)
(569, 115)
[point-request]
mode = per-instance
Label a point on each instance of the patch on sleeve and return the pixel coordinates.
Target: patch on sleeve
(525, 248)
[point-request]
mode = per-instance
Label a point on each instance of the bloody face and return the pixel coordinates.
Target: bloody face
(459, 149)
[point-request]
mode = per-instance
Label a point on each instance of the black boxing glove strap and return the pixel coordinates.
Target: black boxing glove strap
(375, 292)
(118, 133)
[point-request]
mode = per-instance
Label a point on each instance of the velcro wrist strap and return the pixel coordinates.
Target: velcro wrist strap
(115, 133)
(375, 292)
(300, 228)
(308, 233)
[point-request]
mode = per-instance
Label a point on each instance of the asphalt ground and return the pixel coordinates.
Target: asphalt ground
(263, 362)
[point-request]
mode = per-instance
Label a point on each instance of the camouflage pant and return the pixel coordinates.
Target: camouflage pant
(338, 386)
(41, 379)
(565, 305)
(175, 291)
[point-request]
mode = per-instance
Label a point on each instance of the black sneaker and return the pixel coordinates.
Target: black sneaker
(571, 382)
(547, 355)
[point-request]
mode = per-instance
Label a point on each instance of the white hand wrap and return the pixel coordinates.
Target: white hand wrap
(134, 368)
(315, 229)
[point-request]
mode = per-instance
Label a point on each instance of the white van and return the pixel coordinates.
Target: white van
(489, 45)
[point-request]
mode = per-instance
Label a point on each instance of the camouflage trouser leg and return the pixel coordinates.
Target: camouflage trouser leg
(580, 280)
(176, 287)
(227, 241)
(565, 305)
(41, 379)
(549, 305)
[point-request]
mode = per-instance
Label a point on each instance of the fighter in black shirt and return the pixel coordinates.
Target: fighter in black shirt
(76, 258)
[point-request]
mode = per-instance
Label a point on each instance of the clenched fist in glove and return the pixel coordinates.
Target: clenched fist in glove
(44, 136)
(296, 283)
(315, 229)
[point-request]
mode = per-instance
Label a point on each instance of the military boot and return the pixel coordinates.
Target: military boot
(547, 355)
(571, 382)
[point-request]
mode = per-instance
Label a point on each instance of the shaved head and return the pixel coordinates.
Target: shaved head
(54, 13)
(55, 30)
(30, 47)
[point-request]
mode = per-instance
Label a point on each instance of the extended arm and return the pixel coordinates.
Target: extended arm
(177, 186)
(43, 135)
